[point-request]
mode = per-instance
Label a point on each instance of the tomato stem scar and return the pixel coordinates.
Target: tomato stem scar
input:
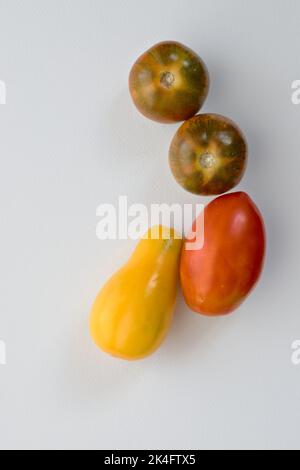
(207, 160)
(167, 79)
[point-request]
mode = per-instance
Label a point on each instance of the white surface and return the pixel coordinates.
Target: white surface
(70, 139)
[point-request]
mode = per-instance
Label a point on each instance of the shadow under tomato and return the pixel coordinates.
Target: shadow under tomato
(191, 334)
(93, 376)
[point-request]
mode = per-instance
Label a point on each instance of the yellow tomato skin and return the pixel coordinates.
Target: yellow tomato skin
(133, 312)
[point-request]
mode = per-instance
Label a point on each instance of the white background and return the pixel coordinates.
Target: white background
(71, 139)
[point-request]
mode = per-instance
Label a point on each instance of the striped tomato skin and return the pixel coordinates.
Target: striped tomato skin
(169, 83)
(208, 155)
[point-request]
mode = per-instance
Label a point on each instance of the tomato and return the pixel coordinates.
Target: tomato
(208, 155)
(169, 83)
(217, 278)
(134, 310)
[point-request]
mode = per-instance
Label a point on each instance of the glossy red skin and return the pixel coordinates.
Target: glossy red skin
(217, 278)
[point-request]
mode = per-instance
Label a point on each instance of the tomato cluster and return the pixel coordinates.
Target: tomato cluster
(208, 156)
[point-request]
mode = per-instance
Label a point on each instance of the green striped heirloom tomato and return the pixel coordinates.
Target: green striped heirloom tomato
(208, 155)
(169, 83)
